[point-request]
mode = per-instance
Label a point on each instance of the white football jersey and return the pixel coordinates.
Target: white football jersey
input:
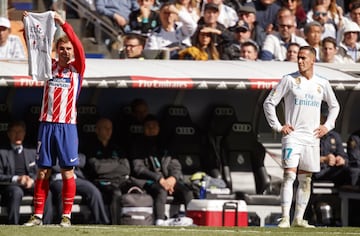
(302, 99)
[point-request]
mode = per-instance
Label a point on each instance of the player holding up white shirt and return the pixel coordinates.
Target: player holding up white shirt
(303, 92)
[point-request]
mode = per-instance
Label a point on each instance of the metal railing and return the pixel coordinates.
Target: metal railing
(102, 25)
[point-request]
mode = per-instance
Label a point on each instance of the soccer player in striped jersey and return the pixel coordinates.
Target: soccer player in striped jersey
(57, 137)
(302, 92)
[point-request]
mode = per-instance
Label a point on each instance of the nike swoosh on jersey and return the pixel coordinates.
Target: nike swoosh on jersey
(73, 159)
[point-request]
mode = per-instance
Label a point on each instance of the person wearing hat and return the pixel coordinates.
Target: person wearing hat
(227, 15)
(10, 45)
(242, 34)
(247, 14)
(223, 37)
(349, 44)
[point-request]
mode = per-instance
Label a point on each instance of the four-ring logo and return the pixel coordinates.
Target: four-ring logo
(89, 128)
(87, 110)
(177, 111)
(224, 111)
(136, 129)
(242, 127)
(185, 130)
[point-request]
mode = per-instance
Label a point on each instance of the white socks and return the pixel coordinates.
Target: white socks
(286, 192)
(302, 195)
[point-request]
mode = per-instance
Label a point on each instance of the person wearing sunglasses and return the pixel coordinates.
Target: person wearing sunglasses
(329, 28)
(275, 45)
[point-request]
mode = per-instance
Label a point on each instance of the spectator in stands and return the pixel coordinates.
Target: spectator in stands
(10, 45)
(329, 52)
(329, 28)
(335, 12)
(170, 35)
(266, 11)
(160, 173)
(192, 6)
(355, 12)
(334, 162)
(107, 168)
(227, 15)
(296, 8)
(117, 11)
(223, 36)
(275, 45)
(292, 52)
(203, 48)
(133, 46)
(89, 193)
(312, 33)
(249, 51)
(349, 44)
(247, 14)
(18, 173)
(242, 34)
(144, 20)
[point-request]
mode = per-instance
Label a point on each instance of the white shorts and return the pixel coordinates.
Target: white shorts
(306, 158)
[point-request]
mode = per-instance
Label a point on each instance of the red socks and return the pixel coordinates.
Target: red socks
(40, 194)
(68, 193)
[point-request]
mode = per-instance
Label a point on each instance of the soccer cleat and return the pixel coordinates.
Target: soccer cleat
(33, 221)
(284, 222)
(301, 223)
(65, 221)
(161, 222)
(180, 221)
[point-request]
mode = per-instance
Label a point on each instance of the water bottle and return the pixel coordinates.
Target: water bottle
(202, 193)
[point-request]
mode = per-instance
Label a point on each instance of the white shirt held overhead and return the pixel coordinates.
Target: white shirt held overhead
(39, 31)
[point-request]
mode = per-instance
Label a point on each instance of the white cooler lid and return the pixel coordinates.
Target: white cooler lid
(214, 205)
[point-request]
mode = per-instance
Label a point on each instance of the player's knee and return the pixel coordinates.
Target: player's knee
(289, 178)
(305, 182)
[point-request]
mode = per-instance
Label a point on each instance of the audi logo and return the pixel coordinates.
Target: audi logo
(90, 128)
(35, 110)
(224, 111)
(178, 111)
(3, 126)
(241, 127)
(87, 110)
(136, 129)
(184, 130)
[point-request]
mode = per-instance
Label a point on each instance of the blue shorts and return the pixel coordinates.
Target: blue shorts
(57, 141)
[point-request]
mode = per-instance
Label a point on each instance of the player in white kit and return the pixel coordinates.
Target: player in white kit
(302, 91)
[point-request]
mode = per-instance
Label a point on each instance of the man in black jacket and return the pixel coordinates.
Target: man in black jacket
(160, 173)
(107, 168)
(18, 173)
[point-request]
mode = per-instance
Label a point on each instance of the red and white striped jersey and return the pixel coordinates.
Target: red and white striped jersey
(62, 90)
(60, 95)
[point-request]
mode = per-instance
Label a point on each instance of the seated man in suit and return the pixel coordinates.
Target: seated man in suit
(18, 173)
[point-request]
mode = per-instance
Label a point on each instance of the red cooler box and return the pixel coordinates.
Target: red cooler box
(211, 212)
